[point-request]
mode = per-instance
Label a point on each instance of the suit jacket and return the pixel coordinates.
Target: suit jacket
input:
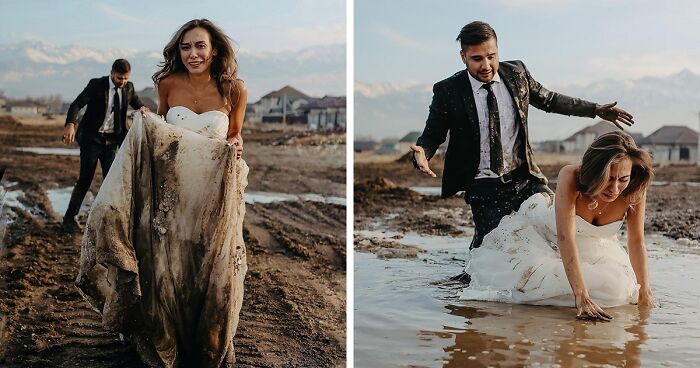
(96, 96)
(453, 110)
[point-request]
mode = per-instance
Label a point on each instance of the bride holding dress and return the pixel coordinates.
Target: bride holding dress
(162, 258)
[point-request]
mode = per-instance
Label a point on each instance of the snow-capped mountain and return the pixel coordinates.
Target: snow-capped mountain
(36, 68)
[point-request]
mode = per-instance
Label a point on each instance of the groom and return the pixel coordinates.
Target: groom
(101, 130)
(484, 109)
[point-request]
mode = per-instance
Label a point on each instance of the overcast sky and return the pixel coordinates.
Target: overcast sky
(267, 25)
(561, 41)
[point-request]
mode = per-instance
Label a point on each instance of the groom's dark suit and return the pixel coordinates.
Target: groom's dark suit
(96, 96)
(454, 110)
(94, 145)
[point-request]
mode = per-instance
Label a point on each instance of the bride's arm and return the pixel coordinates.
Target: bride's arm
(565, 210)
(638, 252)
(163, 91)
(237, 114)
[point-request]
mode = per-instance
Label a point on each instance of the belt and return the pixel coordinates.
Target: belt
(107, 135)
(506, 178)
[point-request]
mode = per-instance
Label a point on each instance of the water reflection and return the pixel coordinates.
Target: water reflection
(403, 318)
(501, 334)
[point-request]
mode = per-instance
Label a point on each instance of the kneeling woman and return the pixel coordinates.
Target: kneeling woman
(566, 252)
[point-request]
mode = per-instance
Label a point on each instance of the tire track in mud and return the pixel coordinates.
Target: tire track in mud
(48, 322)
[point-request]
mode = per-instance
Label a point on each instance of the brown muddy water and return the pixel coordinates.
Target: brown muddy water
(407, 315)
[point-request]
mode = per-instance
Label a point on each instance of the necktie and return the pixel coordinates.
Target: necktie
(117, 109)
(494, 131)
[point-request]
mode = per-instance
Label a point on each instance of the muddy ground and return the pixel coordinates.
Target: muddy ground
(383, 200)
(294, 307)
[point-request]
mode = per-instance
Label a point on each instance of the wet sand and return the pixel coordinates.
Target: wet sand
(408, 313)
(294, 306)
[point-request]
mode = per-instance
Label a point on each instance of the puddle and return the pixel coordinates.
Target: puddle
(404, 316)
(60, 197)
(51, 151)
(269, 197)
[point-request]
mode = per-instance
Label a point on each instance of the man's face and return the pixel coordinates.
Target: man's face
(481, 60)
(120, 79)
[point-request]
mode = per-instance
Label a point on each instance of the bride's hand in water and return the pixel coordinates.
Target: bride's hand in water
(587, 308)
(646, 299)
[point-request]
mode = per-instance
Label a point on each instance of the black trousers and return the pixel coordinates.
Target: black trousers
(491, 200)
(100, 148)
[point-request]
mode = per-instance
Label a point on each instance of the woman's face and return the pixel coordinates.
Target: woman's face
(617, 182)
(196, 50)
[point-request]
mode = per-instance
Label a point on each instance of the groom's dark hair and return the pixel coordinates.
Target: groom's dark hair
(475, 33)
(121, 66)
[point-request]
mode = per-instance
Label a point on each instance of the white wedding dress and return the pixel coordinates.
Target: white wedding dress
(519, 261)
(162, 257)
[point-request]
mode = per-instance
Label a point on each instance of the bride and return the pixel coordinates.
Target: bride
(162, 258)
(565, 252)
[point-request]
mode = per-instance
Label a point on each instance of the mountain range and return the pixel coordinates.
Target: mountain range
(36, 68)
(392, 110)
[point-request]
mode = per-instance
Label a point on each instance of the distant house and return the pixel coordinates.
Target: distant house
(579, 141)
(278, 106)
(409, 139)
(364, 145)
(25, 108)
(327, 113)
(672, 144)
(551, 146)
(388, 146)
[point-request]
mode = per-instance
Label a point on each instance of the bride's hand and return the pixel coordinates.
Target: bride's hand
(587, 308)
(237, 141)
(646, 299)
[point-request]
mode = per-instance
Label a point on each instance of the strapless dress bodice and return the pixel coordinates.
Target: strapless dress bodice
(212, 124)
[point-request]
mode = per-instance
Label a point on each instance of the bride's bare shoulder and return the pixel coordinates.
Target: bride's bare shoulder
(567, 177)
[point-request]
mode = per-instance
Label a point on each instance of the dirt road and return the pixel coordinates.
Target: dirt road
(294, 307)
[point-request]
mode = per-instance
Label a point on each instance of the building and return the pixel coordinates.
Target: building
(408, 140)
(579, 141)
(283, 105)
(25, 108)
(672, 144)
(327, 113)
(364, 145)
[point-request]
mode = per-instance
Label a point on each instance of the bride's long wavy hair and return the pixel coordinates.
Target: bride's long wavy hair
(609, 149)
(224, 67)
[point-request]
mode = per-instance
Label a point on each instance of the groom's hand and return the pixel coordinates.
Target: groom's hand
(422, 161)
(614, 114)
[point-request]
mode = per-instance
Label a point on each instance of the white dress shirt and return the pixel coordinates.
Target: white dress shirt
(509, 128)
(108, 123)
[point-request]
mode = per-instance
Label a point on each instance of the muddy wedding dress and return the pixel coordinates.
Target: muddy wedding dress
(519, 261)
(162, 258)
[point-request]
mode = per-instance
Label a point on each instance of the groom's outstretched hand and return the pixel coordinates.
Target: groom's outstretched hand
(421, 160)
(587, 308)
(614, 114)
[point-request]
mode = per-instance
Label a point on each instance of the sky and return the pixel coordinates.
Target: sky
(567, 45)
(561, 41)
(268, 34)
(265, 25)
